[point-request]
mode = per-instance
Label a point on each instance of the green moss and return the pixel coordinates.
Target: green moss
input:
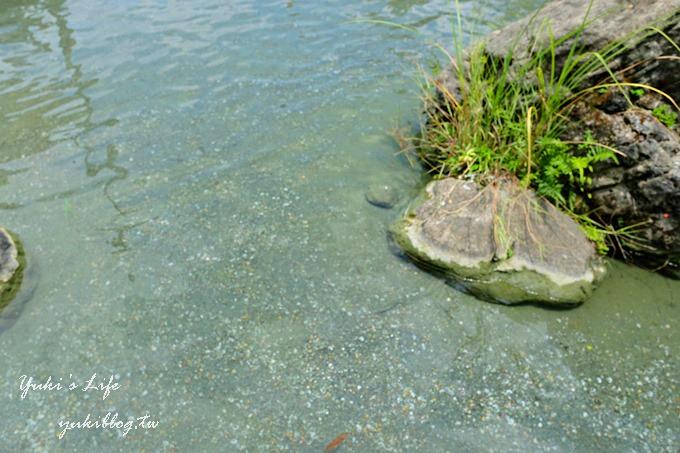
(666, 115)
(637, 93)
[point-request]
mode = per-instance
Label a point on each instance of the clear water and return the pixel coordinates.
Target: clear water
(188, 180)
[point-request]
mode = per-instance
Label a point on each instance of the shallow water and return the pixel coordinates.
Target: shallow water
(188, 181)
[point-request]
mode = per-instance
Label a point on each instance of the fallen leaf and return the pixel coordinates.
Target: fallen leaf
(335, 443)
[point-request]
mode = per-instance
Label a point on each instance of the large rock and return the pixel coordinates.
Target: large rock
(607, 21)
(501, 242)
(641, 192)
(643, 188)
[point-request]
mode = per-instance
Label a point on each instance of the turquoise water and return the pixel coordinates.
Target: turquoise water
(188, 181)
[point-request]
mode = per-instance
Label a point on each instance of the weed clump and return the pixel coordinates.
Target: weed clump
(494, 117)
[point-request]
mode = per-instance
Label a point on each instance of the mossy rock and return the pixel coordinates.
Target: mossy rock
(501, 242)
(12, 264)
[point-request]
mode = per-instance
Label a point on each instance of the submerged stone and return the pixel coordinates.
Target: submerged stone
(382, 195)
(501, 241)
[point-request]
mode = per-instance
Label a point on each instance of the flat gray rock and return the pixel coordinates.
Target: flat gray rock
(501, 241)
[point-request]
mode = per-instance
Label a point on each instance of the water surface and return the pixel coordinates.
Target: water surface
(188, 181)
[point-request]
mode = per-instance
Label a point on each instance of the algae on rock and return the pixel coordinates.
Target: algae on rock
(501, 242)
(11, 266)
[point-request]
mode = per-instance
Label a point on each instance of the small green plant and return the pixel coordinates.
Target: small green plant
(666, 115)
(597, 235)
(564, 169)
(637, 93)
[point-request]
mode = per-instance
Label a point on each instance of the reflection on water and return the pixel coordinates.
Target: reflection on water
(189, 178)
(43, 91)
(46, 104)
(119, 172)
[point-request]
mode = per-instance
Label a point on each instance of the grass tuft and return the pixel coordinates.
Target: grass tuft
(498, 117)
